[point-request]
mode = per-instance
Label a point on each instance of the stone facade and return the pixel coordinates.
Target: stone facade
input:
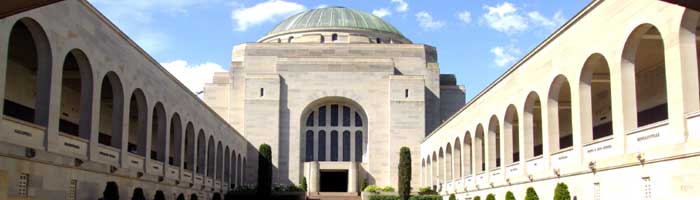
(609, 104)
(83, 105)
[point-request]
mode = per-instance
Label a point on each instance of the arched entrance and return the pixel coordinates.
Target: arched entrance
(334, 135)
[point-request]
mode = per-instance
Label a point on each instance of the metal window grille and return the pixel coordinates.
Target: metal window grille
(646, 188)
(72, 189)
(23, 185)
(596, 191)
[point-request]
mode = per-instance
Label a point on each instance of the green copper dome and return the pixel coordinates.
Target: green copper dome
(333, 18)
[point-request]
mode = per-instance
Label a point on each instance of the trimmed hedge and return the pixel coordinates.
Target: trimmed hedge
(477, 198)
(490, 197)
(561, 192)
(384, 197)
(372, 189)
(303, 184)
(180, 197)
(426, 191)
(452, 197)
(111, 191)
(388, 189)
(264, 171)
(138, 194)
(426, 197)
(405, 173)
(531, 194)
(510, 196)
(160, 196)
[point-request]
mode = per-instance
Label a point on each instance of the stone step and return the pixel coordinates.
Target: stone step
(333, 196)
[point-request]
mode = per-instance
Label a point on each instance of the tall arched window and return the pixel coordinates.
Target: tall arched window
(211, 155)
(76, 95)
(201, 156)
(480, 165)
(494, 143)
(334, 37)
(596, 118)
(511, 128)
(158, 133)
(533, 126)
(189, 147)
(643, 56)
(227, 166)
(289, 40)
(219, 161)
(111, 106)
(467, 155)
(29, 62)
(560, 130)
(137, 123)
(328, 130)
(457, 159)
(175, 141)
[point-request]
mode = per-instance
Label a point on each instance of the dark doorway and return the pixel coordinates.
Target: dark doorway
(334, 181)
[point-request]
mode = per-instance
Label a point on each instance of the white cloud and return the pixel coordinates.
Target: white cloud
(426, 21)
(193, 76)
(465, 16)
(543, 21)
(504, 18)
(263, 12)
(134, 17)
(322, 6)
(504, 55)
(381, 12)
(401, 5)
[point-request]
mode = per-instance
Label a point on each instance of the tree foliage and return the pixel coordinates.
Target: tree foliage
(264, 171)
(477, 198)
(531, 194)
(510, 196)
(405, 173)
(303, 185)
(159, 195)
(111, 191)
(490, 197)
(453, 197)
(180, 197)
(138, 194)
(561, 192)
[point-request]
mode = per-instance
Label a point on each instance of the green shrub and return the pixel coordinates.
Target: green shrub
(510, 196)
(245, 189)
(138, 194)
(531, 194)
(426, 197)
(228, 196)
(388, 189)
(363, 184)
(426, 191)
(384, 197)
(180, 197)
(452, 197)
(159, 195)
(303, 185)
(264, 171)
(216, 196)
(111, 191)
(490, 197)
(286, 188)
(372, 189)
(561, 192)
(477, 198)
(193, 197)
(405, 173)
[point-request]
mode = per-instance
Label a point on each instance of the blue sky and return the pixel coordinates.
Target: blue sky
(477, 40)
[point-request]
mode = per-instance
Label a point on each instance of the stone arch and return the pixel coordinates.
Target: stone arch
(479, 151)
(189, 162)
(218, 168)
(111, 111)
(559, 112)
(29, 60)
(201, 153)
(643, 68)
(595, 99)
(533, 126)
(158, 133)
(690, 58)
(441, 166)
(448, 163)
(334, 118)
(494, 143)
(76, 95)
(457, 159)
(511, 140)
(211, 155)
(175, 157)
(138, 130)
(227, 166)
(467, 154)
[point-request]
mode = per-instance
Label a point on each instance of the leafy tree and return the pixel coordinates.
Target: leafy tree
(138, 194)
(159, 195)
(405, 173)
(477, 198)
(452, 197)
(303, 184)
(180, 197)
(561, 192)
(531, 194)
(111, 191)
(490, 197)
(363, 184)
(264, 171)
(510, 196)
